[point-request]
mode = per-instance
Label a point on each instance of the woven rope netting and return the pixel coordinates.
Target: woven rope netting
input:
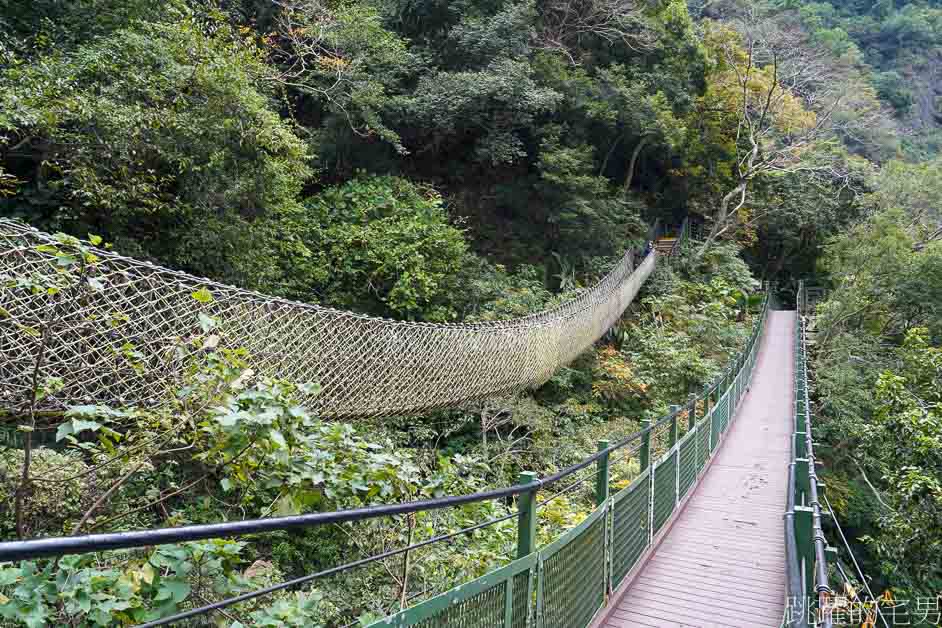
(366, 366)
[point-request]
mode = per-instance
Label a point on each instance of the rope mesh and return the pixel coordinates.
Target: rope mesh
(365, 366)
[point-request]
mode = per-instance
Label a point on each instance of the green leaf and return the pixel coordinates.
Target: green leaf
(226, 484)
(36, 617)
(279, 439)
(32, 331)
(207, 323)
(287, 506)
(175, 590)
(9, 576)
(94, 239)
(76, 426)
(202, 295)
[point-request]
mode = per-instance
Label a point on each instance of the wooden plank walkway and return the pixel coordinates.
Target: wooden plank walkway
(722, 560)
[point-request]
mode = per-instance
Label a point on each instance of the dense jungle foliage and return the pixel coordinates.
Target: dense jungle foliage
(463, 160)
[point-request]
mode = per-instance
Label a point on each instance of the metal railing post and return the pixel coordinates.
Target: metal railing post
(526, 519)
(673, 434)
(801, 445)
(601, 477)
(802, 481)
(804, 539)
(644, 455)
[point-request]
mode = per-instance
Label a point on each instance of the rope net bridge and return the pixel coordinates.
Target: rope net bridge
(365, 366)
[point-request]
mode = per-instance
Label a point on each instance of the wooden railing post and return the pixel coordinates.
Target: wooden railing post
(526, 519)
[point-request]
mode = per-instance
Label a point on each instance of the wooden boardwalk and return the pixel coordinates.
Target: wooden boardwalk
(722, 560)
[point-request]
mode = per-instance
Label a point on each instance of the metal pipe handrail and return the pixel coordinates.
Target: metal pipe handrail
(798, 573)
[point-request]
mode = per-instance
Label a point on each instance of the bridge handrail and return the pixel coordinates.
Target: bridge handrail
(681, 465)
(807, 552)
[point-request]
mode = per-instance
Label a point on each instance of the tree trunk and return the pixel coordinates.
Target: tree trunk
(719, 224)
(631, 164)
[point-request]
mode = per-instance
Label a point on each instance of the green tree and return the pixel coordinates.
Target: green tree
(381, 245)
(159, 128)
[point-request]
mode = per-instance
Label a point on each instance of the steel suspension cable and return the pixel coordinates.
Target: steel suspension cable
(853, 559)
(320, 574)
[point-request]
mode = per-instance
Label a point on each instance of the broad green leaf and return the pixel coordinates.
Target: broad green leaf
(202, 295)
(176, 590)
(207, 323)
(9, 576)
(76, 426)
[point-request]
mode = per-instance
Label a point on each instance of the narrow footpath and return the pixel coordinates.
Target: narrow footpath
(722, 562)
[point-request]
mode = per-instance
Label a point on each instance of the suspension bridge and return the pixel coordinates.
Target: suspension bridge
(720, 526)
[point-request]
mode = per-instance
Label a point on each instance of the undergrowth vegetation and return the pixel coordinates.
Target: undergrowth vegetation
(230, 445)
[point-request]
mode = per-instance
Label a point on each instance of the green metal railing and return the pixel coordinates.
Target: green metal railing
(565, 583)
(807, 551)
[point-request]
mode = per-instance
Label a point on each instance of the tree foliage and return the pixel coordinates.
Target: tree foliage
(877, 368)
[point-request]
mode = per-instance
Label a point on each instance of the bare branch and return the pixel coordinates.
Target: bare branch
(565, 23)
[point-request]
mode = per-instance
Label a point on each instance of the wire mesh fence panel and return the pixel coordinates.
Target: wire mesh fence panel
(366, 366)
(665, 491)
(704, 428)
(572, 575)
(687, 453)
(522, 599)
(660, 440)
(631, 512)
(719, 414)
(501, 598)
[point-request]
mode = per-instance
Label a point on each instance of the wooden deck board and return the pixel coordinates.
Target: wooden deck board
(722, 562)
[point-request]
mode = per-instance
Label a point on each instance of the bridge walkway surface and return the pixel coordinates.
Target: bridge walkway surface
(721, 562)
